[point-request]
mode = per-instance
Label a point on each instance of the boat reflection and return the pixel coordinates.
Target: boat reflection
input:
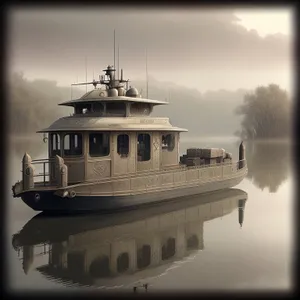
(269, 164)
(121, 249)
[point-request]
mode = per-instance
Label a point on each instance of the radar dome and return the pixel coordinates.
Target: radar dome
(132, 92)
(112, 93)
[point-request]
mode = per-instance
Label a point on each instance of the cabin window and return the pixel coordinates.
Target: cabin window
(73, 144)
(78, 110)
(98, 108)
(123, 145)
(116, 109)
(83, 108)
(140, 109)
(99, 144)
(54, 144)
(168, 142)
(143, 147)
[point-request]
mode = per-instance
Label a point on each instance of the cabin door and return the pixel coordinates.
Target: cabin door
(148, 151)
(123, 145)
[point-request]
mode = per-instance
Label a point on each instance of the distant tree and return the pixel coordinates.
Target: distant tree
(266, 114)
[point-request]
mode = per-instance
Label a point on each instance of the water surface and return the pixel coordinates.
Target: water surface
(220, 242)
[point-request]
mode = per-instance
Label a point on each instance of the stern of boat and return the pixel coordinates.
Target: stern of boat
(53, 171)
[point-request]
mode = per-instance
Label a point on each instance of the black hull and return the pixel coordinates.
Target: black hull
(51, 203)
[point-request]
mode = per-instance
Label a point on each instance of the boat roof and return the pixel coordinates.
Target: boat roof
(94, 96)
(89, 123)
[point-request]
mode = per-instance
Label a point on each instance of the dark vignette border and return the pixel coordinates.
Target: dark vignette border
(146, 5)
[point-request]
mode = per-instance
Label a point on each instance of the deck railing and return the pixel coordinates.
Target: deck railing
(43, 169)
(237, 168)
(47, 170)
(177, 168)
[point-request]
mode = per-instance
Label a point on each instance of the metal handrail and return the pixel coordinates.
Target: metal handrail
(43, 174)
(37, 161)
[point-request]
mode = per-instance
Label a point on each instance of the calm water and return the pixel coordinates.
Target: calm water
(197, 244)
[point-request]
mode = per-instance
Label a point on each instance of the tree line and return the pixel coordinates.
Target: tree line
(266, 114)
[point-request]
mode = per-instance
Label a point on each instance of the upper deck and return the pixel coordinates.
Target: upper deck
(88, 123)
(95, 96)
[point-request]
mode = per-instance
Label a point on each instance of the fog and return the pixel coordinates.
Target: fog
(202, 61)
(206, 49)
(34, 105)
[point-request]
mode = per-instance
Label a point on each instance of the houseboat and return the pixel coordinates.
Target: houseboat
(126, 249)
(111, 154)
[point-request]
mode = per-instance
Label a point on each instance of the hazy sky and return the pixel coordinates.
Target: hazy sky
(204, 49)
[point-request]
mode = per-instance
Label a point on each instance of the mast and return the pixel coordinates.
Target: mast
(118, 62)
(85, 74)
(114, 48)
(146, 74)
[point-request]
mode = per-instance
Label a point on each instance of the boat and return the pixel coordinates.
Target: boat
(122, 249)
(112, 154)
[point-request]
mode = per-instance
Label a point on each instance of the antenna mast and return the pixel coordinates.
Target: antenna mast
(114, 48)
(85, 74)
(118, 62)
(146, 74)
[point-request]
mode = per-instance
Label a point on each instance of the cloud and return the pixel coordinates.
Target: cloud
(185, 41)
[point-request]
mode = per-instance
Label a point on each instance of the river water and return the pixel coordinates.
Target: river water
(237, 240)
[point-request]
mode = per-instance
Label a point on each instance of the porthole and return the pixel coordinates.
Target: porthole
(37, 197)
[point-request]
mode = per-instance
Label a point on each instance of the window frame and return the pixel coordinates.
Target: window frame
(136, 107)
(122, 155)
(89, 143)
(79, 108)
(167, 148)
(150, 146)
(100, 112)
(63, 144)
(119, 115)
(51, 135)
